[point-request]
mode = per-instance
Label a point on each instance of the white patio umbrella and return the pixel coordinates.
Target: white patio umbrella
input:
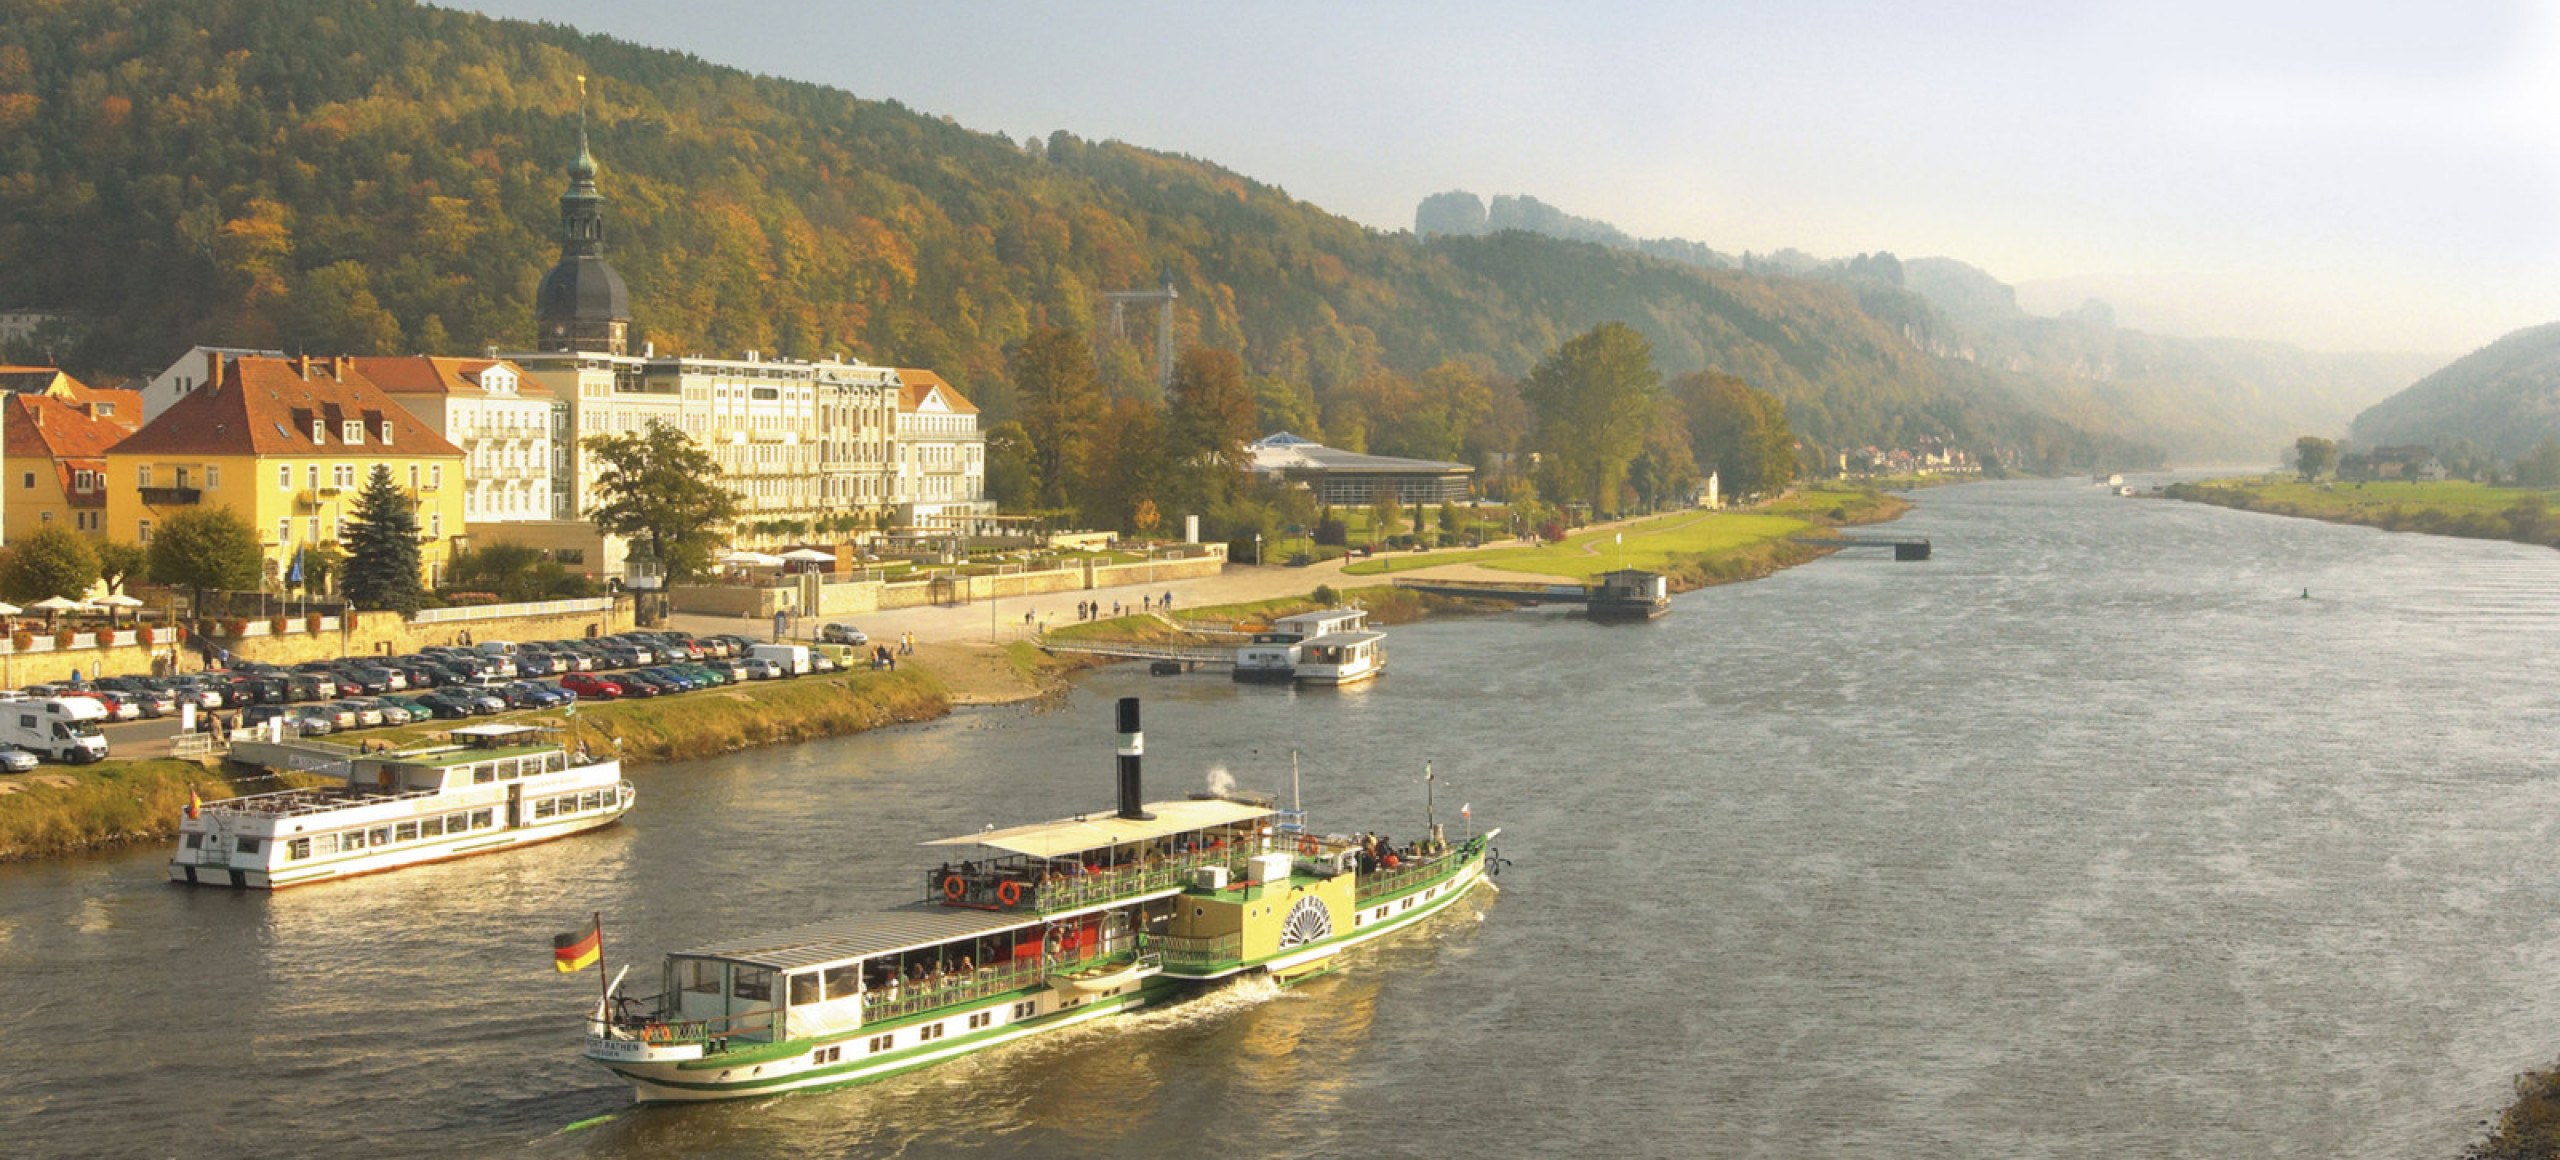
(744, 558)
(809, 556)
(114, 601)
(54, 606)
(8, 609)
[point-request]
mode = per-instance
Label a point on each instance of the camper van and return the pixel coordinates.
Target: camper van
(62, 728)
(792, 659)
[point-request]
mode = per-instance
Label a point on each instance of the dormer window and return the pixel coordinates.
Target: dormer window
(386, 432)
(353, 429)
(319, 431)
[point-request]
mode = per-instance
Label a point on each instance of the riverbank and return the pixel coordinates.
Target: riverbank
(2450, 508)
(57, 810)
(1694, 548)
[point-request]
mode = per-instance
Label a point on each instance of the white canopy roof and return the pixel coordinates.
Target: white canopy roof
(57, 604)
(757, 559)
(809, 556)
(1098, 831)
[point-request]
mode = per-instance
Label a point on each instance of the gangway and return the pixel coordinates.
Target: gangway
(1904, 547)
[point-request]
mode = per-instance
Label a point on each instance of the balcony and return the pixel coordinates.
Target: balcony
(169, 496)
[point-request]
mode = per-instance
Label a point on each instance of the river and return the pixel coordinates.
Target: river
(2092, 837)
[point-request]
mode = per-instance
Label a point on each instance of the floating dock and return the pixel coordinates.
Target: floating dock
(1904, 547)
(1624, 595)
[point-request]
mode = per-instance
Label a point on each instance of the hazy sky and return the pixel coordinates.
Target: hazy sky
(2347, 174)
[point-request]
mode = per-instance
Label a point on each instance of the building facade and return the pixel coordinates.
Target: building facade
(505, 422)
(941, 458)
(57, 466)
(1351, 479)
(285, 444)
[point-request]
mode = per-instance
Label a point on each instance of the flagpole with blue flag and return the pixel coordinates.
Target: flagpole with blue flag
(294, 577)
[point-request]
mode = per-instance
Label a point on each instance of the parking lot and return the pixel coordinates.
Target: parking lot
(140, 716)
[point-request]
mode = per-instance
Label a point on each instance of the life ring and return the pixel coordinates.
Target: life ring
(1310, 847)
(1010, 894)
(953, 888)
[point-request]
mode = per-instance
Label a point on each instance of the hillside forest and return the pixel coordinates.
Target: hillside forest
(374, 176)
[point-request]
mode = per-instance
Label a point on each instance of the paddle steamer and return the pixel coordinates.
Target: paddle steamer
(1048, 926)
(487, 788)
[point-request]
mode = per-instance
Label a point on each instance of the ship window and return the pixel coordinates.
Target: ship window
(593, 800)
(381, 836)
(328, 843)
(405, 832)
(544, 808)
(195, 841)
(1025, 1010)
(481, 819)
(248, 845)
(351, 840)
(298, 849)
(880, 1043)
(431, 827)
(804, 989)
(702, 976)
(981, 1019)
(554, 762)
(929, 1033)
(483, 774)
(754, 983)
(844, 982)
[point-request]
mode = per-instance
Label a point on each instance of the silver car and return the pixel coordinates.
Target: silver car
(16, 760)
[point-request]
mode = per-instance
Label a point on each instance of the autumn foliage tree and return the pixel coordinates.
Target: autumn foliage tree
(1594, 397)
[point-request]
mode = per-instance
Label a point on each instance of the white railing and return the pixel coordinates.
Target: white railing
(496, 611)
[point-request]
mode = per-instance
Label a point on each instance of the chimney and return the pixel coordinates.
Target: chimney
(213, 368)
(340, 365)
(302, 367)
(1133, 747)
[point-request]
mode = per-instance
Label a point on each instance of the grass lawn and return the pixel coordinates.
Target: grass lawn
(2454, 495)
(1654, 544)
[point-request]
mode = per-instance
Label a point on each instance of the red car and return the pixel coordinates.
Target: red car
(591, 687)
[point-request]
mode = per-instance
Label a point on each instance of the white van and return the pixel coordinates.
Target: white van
(62, 728)
(792, 659)
(498, 648)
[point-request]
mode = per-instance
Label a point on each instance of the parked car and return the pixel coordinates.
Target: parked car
(339, 714)
(446, 704)
(120, 706)
(843, 634)
(368, 715)
(390, 711)
(822, 663)
(535, 664)
(591, 687)
(16, 760)
(485, 701)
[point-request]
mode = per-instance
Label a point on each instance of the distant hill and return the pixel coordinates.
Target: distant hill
(2504, 396)
(2202, 399)
(373, 176)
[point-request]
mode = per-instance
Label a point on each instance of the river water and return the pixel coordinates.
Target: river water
(2090, 838)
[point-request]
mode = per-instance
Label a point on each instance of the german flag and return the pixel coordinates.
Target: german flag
(578, 949)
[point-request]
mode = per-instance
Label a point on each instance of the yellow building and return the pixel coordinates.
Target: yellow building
(286, 444)
(57, 461)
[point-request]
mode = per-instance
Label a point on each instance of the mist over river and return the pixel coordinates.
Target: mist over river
(2091, 837)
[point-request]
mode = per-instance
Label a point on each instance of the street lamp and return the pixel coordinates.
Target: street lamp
(1257, 549)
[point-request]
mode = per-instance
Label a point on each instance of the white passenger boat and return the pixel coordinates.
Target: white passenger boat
(1342, 658)
(1048, 926)
(488, 788)
(1273, 655)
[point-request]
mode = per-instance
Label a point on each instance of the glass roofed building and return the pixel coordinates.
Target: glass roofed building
(1349, 477)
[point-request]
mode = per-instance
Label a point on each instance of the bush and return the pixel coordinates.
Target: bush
(236, 626)
(146, 634)
(279, 625)
(1325, 595)
(64, 638)
(22, 640)
(311, 623)
(1333, 531)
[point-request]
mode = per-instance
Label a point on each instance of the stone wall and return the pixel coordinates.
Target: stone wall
(387, 633)
(855, 597)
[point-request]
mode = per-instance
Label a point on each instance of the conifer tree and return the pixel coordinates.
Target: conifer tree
(381, 538)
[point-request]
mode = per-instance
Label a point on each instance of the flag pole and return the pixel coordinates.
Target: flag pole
(604, 990)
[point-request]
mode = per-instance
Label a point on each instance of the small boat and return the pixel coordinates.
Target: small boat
(1273, 655)
(1047, 926)
(486, 788)
(1342, 658)
(1629, 594)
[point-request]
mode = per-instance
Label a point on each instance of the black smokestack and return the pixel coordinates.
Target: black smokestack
(1133, 748)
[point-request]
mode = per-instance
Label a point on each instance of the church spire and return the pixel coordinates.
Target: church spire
(582, 304)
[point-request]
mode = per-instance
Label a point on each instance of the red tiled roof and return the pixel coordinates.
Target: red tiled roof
(47, 427)
(420, 374)
(266, 406)
(921, 383)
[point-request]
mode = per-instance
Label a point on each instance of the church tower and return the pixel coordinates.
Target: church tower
(582, 305)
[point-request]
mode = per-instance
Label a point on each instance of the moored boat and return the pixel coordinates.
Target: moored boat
(1274, 655)
(1047, 926)
(487, 788)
